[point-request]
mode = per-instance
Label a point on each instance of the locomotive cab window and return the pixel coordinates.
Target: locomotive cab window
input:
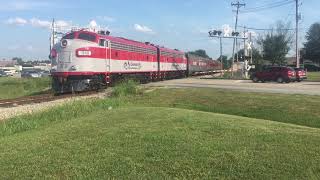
(69, 36)
(103, 43)
(87, 37)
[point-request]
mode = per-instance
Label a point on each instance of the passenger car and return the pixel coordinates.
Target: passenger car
(301, 74)
(30, 74)
(279, 74)
(3, 73)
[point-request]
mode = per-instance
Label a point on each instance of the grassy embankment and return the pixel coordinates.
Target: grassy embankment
(314, 76)
(165, 134)
(19, 87)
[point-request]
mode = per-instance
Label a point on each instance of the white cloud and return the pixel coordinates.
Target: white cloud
(107, 18)
(13, 47)
(93, 24)
(16, 21)
(35, 22)
(144, 29)
(25, 47)
(40, 23)
(64, 25)
(30, 48)
(200, 30)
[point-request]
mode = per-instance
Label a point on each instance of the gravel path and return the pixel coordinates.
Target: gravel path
(6, 113)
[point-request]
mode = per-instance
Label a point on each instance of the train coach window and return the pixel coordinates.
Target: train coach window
(87, 37)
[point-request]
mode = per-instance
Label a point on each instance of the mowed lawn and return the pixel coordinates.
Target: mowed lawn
(165, 134)
(294, 109)
(18, 87)
(159, 143)
(314, 76)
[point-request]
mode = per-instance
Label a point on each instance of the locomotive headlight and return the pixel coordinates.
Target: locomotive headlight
(64, 43)
(83, 53)
(73, 68)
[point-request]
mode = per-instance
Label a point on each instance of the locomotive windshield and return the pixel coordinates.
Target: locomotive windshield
(87, 37)
(69, 36)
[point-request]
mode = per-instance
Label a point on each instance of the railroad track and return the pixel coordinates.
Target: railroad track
(47, 97)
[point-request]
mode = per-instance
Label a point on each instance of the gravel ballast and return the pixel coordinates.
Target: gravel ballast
(7, 113)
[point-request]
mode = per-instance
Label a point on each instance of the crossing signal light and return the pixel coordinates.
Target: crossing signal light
(215, 33)
(235, 34)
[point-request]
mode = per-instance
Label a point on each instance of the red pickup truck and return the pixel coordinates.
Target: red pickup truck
(279, 74)
(301, 74)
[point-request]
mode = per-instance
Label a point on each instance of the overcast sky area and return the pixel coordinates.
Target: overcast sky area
(181, 24)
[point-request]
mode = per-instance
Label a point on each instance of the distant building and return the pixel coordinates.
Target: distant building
(291, 61)
(7, 63)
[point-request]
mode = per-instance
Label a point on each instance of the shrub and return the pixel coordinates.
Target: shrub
(125, 88)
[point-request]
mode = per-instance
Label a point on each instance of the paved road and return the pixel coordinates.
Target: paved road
(307, 88)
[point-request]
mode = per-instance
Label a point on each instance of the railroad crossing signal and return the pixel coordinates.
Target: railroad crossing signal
(249, 45)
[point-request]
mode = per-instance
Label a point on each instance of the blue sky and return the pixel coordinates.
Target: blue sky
(181, 24)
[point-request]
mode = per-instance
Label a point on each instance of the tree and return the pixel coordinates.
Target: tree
(276, 44)
(200, 52)
(312, 46)
(19, 60)
(226, 63)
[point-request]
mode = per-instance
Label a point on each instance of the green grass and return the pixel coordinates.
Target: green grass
(125, 88)
(159, 143)
(294, 109)
(314, 76)
(167, 133)
(19, 87)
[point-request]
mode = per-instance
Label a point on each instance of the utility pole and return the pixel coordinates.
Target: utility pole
(297, 34)
(221, 59)
(220, 47)
(238, 5)
(53, 33)
(244, 43)
(251, 50)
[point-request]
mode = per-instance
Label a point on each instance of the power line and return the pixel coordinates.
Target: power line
(268, 29)
(268, 6)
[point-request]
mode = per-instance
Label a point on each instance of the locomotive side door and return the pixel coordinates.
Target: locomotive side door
(108, 54)
(107, 51)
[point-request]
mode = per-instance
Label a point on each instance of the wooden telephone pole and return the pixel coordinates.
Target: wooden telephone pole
(238, 5)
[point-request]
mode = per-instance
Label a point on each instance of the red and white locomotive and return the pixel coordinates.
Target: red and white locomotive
(88, 60)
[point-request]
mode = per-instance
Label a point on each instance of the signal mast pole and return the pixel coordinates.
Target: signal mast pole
(238, 6)
(297, 34)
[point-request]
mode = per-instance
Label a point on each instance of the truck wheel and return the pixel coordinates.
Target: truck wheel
(280, 80)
